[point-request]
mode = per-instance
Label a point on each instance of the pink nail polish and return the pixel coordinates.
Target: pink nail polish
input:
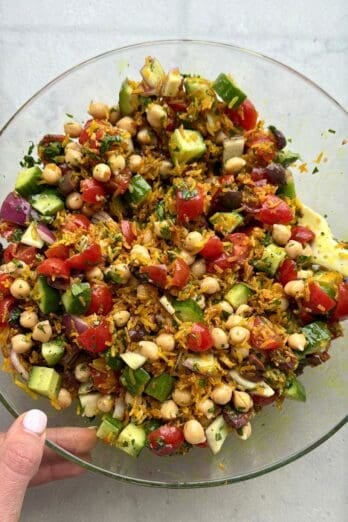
(35, 421)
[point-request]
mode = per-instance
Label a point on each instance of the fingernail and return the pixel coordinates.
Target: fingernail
(35, 421)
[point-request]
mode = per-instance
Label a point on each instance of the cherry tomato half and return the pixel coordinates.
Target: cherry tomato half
(222, 262)
(96, 338)
(76, 221)
(181, 273)
(5, 283)
(57, 251)
(54, 267)
(263, 146)
(319, 302)
(263, 337)
(128, 229)
(241, 246)
(6, 306)
(199, 339)
(274, 210)
(92, 191)
(101, 299)
(244, 116)
(302, 234)
(287, 271)
(156, 274)
(166, 440)
(90, 257)
(212, 249)
(189, 204)
(341, 311)
(24, 253)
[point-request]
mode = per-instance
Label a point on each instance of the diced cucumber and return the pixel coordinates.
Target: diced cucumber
(135, 380)
(52, 351)
(206, 364)
(271, 259)
(226, 222)
(287, 190)
(128, 100)
(132, 439)
(47, 203)
(185, 146)
(318, 337)
(88, 403)
(160, 387)
(286, 157)
(138, 190)
(216, 434)
(45, 381)
(31, 236)
(152, 73)
(109, 430)
(295, 390)
(151, 425)
(172, 83)
(77, 298)
(113, 361)
(187, 311)
(238, 295)
(27, 181)
(228, 91)
(200, 89)
(48, 298)
(133, 359)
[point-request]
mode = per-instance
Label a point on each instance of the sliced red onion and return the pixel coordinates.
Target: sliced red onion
(100, 217)
(73, 323)
(15, 209)
(18, 366)
(45, 233)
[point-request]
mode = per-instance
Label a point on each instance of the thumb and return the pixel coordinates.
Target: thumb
(20, 458)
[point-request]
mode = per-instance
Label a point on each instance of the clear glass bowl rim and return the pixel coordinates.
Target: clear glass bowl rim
(162, 484)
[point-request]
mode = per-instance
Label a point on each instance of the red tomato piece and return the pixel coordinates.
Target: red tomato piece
(76, 221)
(177, 105)
(274, 210)
(244, 116)
(181, 273)
(199, 339)
(189, 204)
(7, 230)
(103, 381)
(264, 401)
(128, 229)
(226, 180)
(96, 338)
(302, 234)
(319, 302)
(5, 283)
(24, 253)
(222, 262)
(341, 311)
(92, 191)
(287, 271)
(57, 251)
(263, 337)
(54, 267)
(241, 246)
(119, 182)
(157, 274)
(101, 300)
(6, 306)
(165, 440)
(90, 257)
(213, 248)
(84, 136)
(263, 146)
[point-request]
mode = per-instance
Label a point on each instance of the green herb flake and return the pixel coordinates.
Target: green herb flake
(332, 131)
(315, 170)
(28, 161)
(68, 115)
(108, 141)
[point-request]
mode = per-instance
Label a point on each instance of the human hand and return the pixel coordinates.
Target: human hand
(25, 461)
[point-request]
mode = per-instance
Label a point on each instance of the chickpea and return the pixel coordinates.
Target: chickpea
(82, 372)
(73, 145)
(281, 234)
(222, 394)
(21, 343)
(128, 124)
(198, 268)
(166, 342)
(165, 168)
(114, 115)
(225, 306)
(156, 116)
(242, 401)
(140, 253)
(194, 432)
(98, 111)
(161, 228)
(207, 408)
(234, 165)
(149, 350)
(284, 304)
(28, 319)
(102, 172)
(64, 398)
(72, 129)
(234, 320)
(51, 174)
(293, 249)
(74, 201)
(182, 397)
(239, 335)
(145, 137)
(105, 403)
(210, 285)
(20, 289)
(220, 338)
(143, 293)
(94, 273)
(42, 332)
(307, 251)
(295, 288)
(194, 241)
(169, 410)
(122, 271)
(187, 257)
(121, 318)
(73, 157)
(244, 310)
(116, 163)
(135, 162)
(245, 432)
(297, 341)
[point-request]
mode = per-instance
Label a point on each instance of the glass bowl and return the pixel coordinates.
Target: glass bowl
(316, 124)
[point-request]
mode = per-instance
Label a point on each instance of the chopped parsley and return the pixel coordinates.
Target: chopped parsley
(108, 141)
(28, 161)
(14, 316)
(332, 131)
(52, 151)
(188, 194)
(315, 170)
(69, 115)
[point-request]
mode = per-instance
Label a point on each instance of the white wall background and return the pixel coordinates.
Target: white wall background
(39, 40)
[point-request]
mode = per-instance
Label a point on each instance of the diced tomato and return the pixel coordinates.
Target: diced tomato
(54, 267)
(103, 381)
(96, 338)
(57, 251)
(274, 210)
(305, 317)
(287, 271)
(119, 183)
(7, 229)
(241, 246)
(92, 191)
(199, 339)
(244, 116)
(263, 146)
(263, 336)
(49, 138)
(302, 234)
(90, 257)
(84, 136)
(341, 311)
(128, 229)
(24, 253)
(5, 283)
(213, 248)
(6, 306)
(76, 221)
(101, 301)
(222, 262)
(226, 180)
(177, 105)
(157, 274)
(189, 204)
(258, 174)
(181, 273)
(203, 444)
(318, 302)
(264, 401)
(166, 440)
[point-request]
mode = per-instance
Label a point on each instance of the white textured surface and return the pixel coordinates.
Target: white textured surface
(41, 39)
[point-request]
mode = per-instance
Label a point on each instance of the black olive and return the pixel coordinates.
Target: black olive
(225, 200)
(279, 136)
(234, 418)
(275, 173)
(137, 333)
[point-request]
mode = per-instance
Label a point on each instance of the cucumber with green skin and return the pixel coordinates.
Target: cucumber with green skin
(295, 390)
(48, 298)
(187, 310)
(135, 380)
(27, 182)
(52, 351)
(226, 222)
(109, 430)
(132, 439)
(160, 387)
(238, 295)
(47, 203)
(45, 381)
(228, 91)
(186, 146)
(77, 298)
(272, 258)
